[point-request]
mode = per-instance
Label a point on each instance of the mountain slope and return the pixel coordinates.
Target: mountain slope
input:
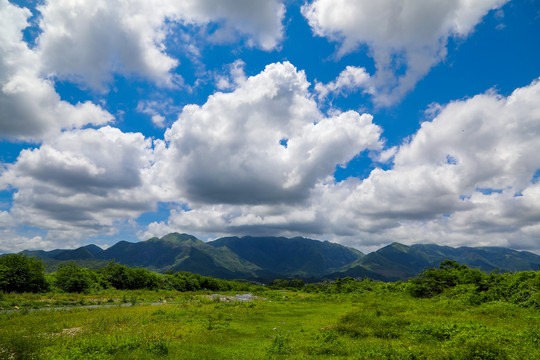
(293, 257)
(84, 252)
(42, 254)
(268, 258)
(77, 254)
(400, 262)
(180, 252)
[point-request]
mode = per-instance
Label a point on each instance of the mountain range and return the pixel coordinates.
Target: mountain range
(266, 258)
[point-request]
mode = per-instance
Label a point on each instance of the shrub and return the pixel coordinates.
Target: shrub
(20, 273)
(483, 348)
(122, 277)
(280, 345)
(71, 278)
(286, 284)
(435, 281)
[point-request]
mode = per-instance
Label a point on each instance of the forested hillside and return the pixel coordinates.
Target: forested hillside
(267, 258)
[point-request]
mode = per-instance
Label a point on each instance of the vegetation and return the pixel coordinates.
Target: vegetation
(20, 273)
(72, 278)
(446, 312)
(452, 279)
(287, 284)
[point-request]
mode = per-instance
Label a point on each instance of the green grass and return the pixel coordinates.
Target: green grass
(284, 325)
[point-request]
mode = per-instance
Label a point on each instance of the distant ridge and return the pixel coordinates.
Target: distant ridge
(294, 257)
(400, 262)
(267, 258)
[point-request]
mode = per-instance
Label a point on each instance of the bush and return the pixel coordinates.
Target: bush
(122, 277)
(71, 278)
(20, 273)
(286, 284)
(474, 287)
(279, 345)
(435, 281)
(483, 348)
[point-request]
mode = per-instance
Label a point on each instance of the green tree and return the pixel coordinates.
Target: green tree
(122, 277)
(116, 275)
(286, 284)
(434, 281)
(20, 273)
(141, 278)
(71, 278)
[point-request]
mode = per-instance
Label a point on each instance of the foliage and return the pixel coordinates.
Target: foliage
(434, 281)
(454, 280)
(125, 278)
(280, 345)
(185, 281)
(71, 278)
(348, 285)
(20, 273)
(287, 284)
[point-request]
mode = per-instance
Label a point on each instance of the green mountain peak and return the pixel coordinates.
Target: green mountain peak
(178, 238)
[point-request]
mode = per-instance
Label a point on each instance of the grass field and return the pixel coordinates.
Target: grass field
(276, 325)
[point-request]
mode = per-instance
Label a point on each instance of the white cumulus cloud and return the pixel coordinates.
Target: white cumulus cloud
(405, 36)
(88, 42)
(469, 174)
(349, 80)
(466, 177)
(265, 142)
(82, 182)
(30, 107)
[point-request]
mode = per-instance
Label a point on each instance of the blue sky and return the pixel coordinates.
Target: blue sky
(357, 122)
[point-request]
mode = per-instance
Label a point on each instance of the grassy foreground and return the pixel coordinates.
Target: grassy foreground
(277, 325)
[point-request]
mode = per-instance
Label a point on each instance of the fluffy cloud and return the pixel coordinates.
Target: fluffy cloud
(408, 35)
(31, 108)
(349, 80)
(153, 109)
(235, 77)
(82, 182)
(89, 41)
(489, 141)
(467, 175)
(265, 142)
(11, 241)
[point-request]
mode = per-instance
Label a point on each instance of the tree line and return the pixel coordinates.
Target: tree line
(20, 273)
